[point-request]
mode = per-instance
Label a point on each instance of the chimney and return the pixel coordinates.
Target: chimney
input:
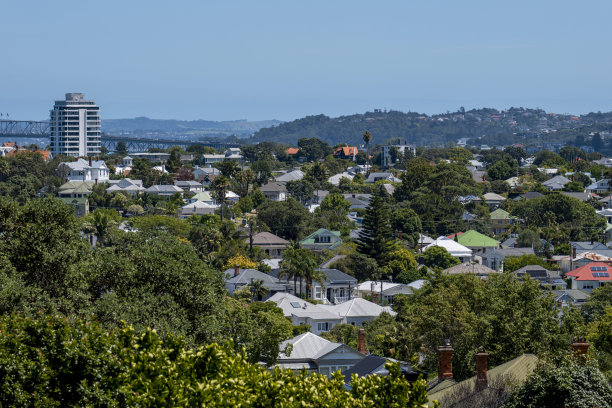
(481, 369)
(580, 347)
(236, 270)
(574, 252)
(445, 361)
(89, 161)
(361, 342)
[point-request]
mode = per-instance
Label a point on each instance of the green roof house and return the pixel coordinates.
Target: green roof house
(501, 221)
(322, 239)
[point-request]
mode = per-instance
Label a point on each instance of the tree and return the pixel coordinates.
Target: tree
(438, 257)
(228, 168)
(358, 265)
(299, 263)
(174, 161)
(314, 148)
(86, 365)
(401, 262)
(367, 137)
(565, 384)
(121, 148)
(262, 171)
(376, 237)
(301, 190)
(500, 171)
(406, 221)
(221, 186)
(595, 306)
(284, 218)
(512, 263)
(517, 153)
(597, 142)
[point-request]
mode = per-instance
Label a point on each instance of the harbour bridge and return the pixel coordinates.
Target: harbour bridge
(21, 129)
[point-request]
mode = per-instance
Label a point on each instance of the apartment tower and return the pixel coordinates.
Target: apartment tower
(75, 127)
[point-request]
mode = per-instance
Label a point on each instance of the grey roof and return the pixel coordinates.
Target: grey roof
(335, 258)
(307, 346)
(365, 367)
(274, 186)
(358, 307)
(512, 251)
(245, 276)
(577, 295)
(336, 276)
(291, 176)
(529, 195)
(187, 183)
(582, 196)
(294, 306)
(536, 272)
(476, 269)
(164, 188)
(588, 245)
(557, 182)
(268, 239)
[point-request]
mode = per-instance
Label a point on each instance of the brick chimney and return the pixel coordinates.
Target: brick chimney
(236, 270)
(445, 361)
(580, 347)
(89, 161)
(481, 369)
(361, 342)
(574, 252)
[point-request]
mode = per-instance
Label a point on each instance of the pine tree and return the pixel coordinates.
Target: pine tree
(376, 238)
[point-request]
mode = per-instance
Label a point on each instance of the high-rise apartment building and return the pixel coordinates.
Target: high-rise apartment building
(75, 126)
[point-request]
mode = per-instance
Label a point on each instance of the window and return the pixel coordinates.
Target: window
(323, 326)
(317, 292)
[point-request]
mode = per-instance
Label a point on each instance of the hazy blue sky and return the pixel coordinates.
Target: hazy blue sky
(288, 59)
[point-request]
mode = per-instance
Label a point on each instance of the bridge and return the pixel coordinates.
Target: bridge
(17, 129)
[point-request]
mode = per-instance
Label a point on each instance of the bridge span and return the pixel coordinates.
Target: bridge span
(17, 129)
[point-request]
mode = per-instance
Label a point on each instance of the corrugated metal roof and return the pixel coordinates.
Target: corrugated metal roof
(358, 307)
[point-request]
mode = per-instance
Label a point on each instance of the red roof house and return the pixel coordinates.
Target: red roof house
(346, 152)
(590, 276)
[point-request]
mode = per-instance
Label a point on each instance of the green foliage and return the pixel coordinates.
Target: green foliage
(401, 262)
(153, 225)
(505, 315)
(512, 263)
(314, 148)
(406, 221)
(284, 218)
(439, 257)
(500, 171)
(565, 384)
(50, 362)
(600, 300)
(376, 239)
(358, 265)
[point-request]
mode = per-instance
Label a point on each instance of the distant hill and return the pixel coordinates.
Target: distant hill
(489, 126)
(143, 126)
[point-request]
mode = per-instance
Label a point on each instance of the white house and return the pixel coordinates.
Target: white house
(83, 170)
(316, 355)
(402, 147)
(196, 208)
(189, 186)
(463, 253)
(125, 186)
(275, 191)
(598, 187)
(164, 190)
(303, 312)
(387, 289)
(358, 310)
(590, 276)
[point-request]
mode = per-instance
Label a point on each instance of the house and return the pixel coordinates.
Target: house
(348, 153)
(200, 172)
(189, 186)
(530, 195)
(196, 208)
(164, 190)
(231, 154)
(126, 166)
(444, 388)
(580, 247)
(501, 221)
(590, 276)
(76, 189)
(606, 201)
(477, 242)
(599, 187)
(457, 250)
(125, 186)
(335, 179)
(469, 267)
(491, 199)
(83, 170)
(271, 244)
(512, 242)
(568, 263)
(303, 312)
(292, 151)
(358, 200)
(237, 278)
(583, 196)
(337, 286)
(208, 179)
(204, 197)
(570, 297)
(316, 355)
(374, 177)
(383, 290)
(495, 257)
(321, 240)
(153, 157)
(231, 197)
(604, 161)
(403, 147)
(546, 278)
(360, 169)
(556, 183)
(274, 191)
(80, 205)
(294, 175)
(358, 310)
(424, 240)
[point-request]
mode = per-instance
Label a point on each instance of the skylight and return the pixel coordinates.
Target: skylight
(296, 305)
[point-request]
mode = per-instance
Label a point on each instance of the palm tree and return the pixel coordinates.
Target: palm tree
(290, 267)
(313, 274)
(366, 138)
(258, 290)
(220, 184)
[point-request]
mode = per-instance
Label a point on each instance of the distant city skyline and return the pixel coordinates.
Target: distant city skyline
(286, 60)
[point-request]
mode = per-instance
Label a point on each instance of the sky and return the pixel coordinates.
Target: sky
(257, 60)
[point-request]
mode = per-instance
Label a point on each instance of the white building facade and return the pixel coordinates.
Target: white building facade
(75, 127)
